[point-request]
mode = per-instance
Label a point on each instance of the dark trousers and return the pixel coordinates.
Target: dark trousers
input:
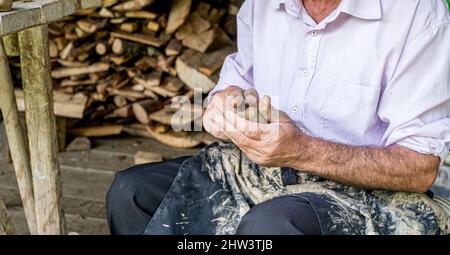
(136, 194)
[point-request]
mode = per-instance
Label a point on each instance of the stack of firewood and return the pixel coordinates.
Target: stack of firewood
(120, 68)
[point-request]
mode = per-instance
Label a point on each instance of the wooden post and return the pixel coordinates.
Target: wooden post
(17, 144)
(11, 44)
(6, 224)
(37, 85)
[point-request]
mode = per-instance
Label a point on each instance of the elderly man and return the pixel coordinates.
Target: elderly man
(366, 89)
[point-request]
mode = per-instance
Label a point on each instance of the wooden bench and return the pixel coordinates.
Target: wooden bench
(36, 165)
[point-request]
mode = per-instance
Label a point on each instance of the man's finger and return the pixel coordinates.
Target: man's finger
(235, 123)
(251, 97)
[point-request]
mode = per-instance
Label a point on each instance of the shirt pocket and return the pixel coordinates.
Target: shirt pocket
(350, 113)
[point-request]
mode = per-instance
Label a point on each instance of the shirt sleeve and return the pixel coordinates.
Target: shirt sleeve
(416, 102)
(237, 69)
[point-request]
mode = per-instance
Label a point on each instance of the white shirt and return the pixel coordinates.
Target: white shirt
(373, 73)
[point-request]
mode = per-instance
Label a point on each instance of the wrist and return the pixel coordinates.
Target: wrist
(302, 152)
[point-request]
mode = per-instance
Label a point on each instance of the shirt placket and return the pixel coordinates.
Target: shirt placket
(305, 74)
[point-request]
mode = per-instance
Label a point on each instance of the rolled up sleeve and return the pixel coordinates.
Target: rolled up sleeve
(416, 102)
(237, 69)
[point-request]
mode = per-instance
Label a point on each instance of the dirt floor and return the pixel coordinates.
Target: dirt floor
(86, 177)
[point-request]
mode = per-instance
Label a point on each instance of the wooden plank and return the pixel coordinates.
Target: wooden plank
(75, 223)
(37, 84)
(71, 205)
(17, 142)
(85, 184)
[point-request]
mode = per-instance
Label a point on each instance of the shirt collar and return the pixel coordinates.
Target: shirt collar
(363, 9)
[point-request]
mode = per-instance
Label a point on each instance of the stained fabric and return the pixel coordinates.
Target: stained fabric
(216, 188)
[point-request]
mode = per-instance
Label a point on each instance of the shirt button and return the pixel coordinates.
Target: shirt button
(305, 73)
(314, 33)
(295, 109)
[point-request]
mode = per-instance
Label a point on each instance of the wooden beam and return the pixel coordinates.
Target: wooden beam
(27, 14)
(11, 44)
(37, 84)
(17, 142)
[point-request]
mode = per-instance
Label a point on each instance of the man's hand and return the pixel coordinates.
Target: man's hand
(214, 113)
(275, 144)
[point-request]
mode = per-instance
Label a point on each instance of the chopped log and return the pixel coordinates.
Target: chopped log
(199, 34)
(106, 13)
(190, 75)
(71, 83)
(54, 53)
(142, 38)
(79, 144)
(118, 59)
(128, 93)
(120, 101)
(141, 15)
(174, 84)
(145, 157)
(137, 129)
(132, 5)
(128, 48)
(101, 48)
(69, 63)
(177, 139)
(98, 131)
(69, 71)
(129, 27)
(109, 3)
(174, 48)
(66, 52)
(5, 5)
(178, 14)
(143, 109)
(90, 27)
(148, 81)
(177, 117)
(153, 26)
(122, 112)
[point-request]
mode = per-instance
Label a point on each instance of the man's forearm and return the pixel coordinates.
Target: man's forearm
(394, 168)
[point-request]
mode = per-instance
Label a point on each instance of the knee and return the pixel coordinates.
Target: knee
(261, 218)
(281, 216)
(123, 189)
